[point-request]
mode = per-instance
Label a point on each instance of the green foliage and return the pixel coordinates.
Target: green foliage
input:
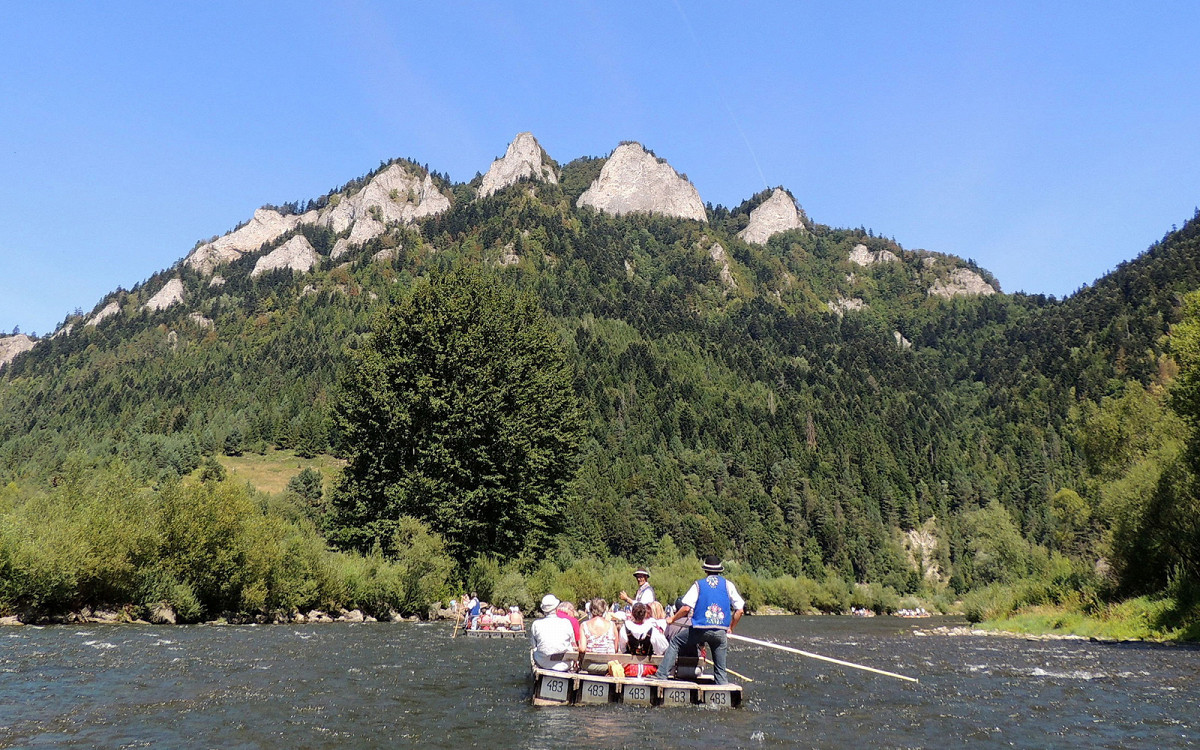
(100, 538)
(459, 411)
(748, 422)
(308, 486)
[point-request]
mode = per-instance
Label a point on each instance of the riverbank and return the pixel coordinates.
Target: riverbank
(1142, 619)
(164, 615)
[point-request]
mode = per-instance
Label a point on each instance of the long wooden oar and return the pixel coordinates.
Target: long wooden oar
(811, 655)
(738, 675)
(457, 620)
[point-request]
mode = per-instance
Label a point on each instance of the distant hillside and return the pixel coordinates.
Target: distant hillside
(795, 401)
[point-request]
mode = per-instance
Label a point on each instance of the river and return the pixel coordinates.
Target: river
(344, 685)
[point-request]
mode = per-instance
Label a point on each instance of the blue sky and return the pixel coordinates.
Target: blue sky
(1048, 141)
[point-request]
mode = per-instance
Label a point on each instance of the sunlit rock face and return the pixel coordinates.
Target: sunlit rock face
(863, 256)
(524, 159)
(396, 194)
(774, 215)
(296, 254)
(170, 294)
(963, 282)
(11, 346)
(634, 181)
(109, 310)
(267, 225)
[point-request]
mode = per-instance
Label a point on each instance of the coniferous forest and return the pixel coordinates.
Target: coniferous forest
(1006, 451)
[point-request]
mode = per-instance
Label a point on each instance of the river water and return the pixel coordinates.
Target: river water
(344, 685)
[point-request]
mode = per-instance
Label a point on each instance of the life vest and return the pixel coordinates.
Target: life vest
(713, 609)
(638, 646)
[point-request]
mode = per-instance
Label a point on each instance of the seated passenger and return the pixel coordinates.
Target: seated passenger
(551, 637)
(516, 620)
(499, 618)
(658, 616)
(639, 636)
(485, 619)
(599, 635)
(566, 610)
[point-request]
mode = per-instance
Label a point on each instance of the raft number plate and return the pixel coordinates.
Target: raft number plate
(717, 698)
(677, 697)
(637, 694)
(593, 692)
(555, 689)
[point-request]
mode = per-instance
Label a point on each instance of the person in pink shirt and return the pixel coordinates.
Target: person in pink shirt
(566, 610)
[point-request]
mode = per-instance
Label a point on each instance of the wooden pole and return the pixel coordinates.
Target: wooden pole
(730, 671)
(457, 620)
(811, 655)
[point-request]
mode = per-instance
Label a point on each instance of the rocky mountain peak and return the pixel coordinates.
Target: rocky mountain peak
(634, 181)
(266, 225)
(525, 158)
(11, 346)
(774, 215)
(395, 194)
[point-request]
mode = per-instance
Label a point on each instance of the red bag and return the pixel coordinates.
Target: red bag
(640, 670)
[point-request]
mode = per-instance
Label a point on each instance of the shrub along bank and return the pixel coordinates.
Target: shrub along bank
(100, 538)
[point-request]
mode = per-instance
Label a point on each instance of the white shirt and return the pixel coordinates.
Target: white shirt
(735, 599)
(551, 635)
(645, 594)
(658, 641)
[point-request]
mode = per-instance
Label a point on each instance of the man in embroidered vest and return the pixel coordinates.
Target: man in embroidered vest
(715, 607)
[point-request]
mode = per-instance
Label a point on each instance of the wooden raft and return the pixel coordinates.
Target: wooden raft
(495, 633)
(553, 688)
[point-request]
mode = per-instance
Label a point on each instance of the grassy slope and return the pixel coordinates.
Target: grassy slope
(1143, 618)
(271, 471)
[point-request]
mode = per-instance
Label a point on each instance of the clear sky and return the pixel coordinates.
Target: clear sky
(1048, 141)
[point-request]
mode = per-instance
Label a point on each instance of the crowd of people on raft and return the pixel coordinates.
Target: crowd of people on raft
(641, 626)
(475, 615)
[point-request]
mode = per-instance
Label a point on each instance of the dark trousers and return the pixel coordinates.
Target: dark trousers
(717, 641)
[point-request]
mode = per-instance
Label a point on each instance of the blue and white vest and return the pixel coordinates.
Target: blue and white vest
(714, 610)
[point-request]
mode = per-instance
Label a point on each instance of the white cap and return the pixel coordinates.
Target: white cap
(549, 603)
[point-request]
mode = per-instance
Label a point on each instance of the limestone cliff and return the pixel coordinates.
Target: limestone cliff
(634, 181)
(170, 294)
(109, 310)
(963, 282)
(525, 158)
(863, 256)
(721, 258)
(296, 254)
(395, 194)
(266, 226)
(774, 215)
(11, 346)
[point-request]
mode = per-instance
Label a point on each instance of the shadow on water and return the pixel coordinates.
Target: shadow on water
(376, 684)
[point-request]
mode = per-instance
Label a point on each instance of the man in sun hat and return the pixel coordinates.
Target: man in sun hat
(715, 606)
(551, 637)
(645, 593)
